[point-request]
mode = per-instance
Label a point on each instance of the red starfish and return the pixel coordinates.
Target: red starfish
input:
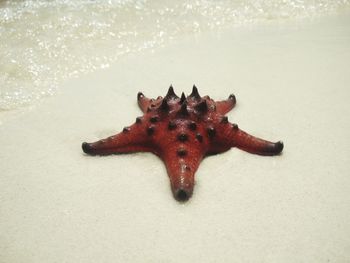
(182, 131)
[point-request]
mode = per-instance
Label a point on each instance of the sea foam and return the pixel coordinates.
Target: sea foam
(45, 42)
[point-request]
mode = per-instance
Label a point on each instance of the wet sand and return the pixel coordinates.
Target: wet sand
(291, 82)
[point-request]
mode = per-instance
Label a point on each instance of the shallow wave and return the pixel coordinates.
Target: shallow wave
(45, 42)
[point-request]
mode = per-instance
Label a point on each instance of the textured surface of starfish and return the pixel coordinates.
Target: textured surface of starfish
(182, 131)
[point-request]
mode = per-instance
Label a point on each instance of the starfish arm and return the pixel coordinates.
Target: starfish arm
(232, 136)
(249, 143)
(131, 139)
(181, 166)
(143, 102)
(224, 106)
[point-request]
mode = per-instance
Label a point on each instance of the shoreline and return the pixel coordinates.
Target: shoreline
(246, 29)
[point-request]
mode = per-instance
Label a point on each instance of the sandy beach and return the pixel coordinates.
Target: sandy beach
(291, 80)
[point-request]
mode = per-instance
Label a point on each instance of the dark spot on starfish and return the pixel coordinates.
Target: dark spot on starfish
(150, 130)
(154, 119)
(279, 146)
(140, 95)
(211, 132)
(232, 97)
(183, 98)
(192, 125)
(126, 129)
(138, 120)
(164, 106)
(171, 94)
(234, 126)
(185, 167)
(172, 125)
(182, 137)
(86, 147)
(202, 106)
(181, 152)
(195, 95)
(183, 110)
(181, 195)
(224, 120)
(199, 137)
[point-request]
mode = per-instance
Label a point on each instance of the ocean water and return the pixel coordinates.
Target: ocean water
(42, 43)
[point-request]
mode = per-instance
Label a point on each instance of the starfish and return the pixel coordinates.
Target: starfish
(182, 131)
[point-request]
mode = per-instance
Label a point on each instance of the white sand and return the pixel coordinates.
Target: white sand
(291, 82)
